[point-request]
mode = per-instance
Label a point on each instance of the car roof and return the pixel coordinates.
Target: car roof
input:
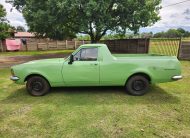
(93, 45)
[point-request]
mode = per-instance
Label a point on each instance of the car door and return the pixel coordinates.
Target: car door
(84, 71)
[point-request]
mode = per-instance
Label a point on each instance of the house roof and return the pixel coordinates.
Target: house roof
(24, 34)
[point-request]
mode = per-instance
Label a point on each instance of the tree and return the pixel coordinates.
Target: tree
(183, 32)
(20, 29)
(2, 13)
(147, 35)
(159, 35)
(92, 17)
(173, 33)
(5, 28)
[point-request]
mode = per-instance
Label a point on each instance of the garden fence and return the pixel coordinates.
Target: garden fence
(164, 46)
(172, 47)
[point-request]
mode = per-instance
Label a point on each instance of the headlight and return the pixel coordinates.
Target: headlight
(12, 72)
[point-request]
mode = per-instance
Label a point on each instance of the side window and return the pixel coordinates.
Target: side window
(77, 56)
(87, 54)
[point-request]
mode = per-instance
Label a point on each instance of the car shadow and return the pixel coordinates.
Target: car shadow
(92, 96)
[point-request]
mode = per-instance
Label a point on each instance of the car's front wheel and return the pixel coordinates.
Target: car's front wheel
(37, 86)
(137, 85)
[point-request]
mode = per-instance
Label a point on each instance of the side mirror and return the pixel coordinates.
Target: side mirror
(71, 59)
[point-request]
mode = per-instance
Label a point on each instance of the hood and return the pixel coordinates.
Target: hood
(40, 62)
(54, 60)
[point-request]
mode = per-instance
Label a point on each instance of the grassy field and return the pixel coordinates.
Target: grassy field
(96, 112)
(34, 53)
(164, 46)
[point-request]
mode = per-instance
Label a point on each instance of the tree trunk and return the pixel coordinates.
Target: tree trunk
(94, 39)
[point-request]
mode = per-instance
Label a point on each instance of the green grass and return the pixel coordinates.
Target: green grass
(96, 112)
(35, 53)
(164, 46)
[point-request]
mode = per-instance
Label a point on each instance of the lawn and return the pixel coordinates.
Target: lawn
(96, 112)
(164, 46)
(35, 53)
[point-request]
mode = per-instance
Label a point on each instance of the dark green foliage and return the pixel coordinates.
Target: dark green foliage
(173, 33)
(5, 28)
(61, 19)
(2, 13)
(20, 29)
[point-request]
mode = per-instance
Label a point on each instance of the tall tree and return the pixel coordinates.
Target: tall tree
(5, 28)
(173, 33)
(2, 13)
(92, 17)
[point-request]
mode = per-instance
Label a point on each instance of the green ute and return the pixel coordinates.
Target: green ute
(94, 65)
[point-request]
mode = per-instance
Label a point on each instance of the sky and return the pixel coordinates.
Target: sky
(171, 17)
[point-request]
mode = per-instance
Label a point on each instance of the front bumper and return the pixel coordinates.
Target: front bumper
(14, 78)
(177, 77)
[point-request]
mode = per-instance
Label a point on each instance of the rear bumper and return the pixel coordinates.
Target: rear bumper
(14, 78)
(177, 77)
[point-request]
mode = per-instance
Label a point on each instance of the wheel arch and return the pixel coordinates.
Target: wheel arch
(146, 75)
(35, 74)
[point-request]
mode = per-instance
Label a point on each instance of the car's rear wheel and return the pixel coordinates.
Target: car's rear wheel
(137, 85)
(37, 86)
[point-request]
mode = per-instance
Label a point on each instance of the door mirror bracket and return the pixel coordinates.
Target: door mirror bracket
(71, 59)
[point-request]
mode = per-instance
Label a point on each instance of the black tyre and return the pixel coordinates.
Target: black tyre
(137, 85)
(37, 86)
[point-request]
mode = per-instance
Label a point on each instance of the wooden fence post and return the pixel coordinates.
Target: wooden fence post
(37, 44)
(2, 49)
(66, 44)
(26, 46)
(37, 47)
(179, 48)
(56, 44)
(75, 43)
(47, 45)
(147, 45)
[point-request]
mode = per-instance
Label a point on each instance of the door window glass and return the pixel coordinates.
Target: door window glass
(87, 54)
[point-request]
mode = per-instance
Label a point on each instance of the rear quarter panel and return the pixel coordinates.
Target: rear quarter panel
(159, 69)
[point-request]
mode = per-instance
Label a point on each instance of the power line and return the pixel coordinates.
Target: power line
(176, 4)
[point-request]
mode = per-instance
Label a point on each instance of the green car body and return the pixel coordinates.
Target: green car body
(104, 70)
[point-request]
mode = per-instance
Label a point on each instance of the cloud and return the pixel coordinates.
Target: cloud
(186, 12)
(172, 17)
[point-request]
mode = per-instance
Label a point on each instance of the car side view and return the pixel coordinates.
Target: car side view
(94, 65)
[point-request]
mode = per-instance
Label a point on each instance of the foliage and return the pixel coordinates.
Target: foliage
(5, 28)
(147, 35)
(20, 29)
(173, 33)
(60, 18)
(2, 13)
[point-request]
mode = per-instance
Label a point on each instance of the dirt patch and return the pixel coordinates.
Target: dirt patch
(8, 61)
